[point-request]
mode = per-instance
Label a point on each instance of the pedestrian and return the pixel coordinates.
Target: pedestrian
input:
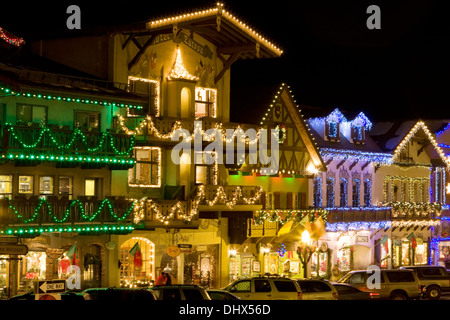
(167, 271)
(162, 280)
(335, 273)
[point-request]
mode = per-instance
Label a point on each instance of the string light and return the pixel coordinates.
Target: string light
(68, 99)
(13, 40)
(218, 10)
(408, 137)
(44, 203)
(179, 70)
(95, 228)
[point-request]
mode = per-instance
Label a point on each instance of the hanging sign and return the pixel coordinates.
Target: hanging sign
(173, 251)
(18, 249)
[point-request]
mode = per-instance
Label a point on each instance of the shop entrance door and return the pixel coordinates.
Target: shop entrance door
(92, 267)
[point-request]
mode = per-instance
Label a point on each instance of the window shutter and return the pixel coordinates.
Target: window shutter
(289, 200)
(277, 196)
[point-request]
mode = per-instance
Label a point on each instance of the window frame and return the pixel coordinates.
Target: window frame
(151, 162)
(89, 112)
(32, 106)
(210, 103)
(153, 95)
(32, 185)
(52, 185)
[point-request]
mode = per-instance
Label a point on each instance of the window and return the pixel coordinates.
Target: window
(204, 173)
(146, 172)
(330, 192)
(285, 286)
(317, 192)
(6, 185)
(440, 174)
(367, 192)
(92, 187)
(89, 187)
(26, 184)
(65, 186)
(192, 294)
(129, 272)
(332, 130)
(242, 286)
(148, 88)
(205, 102)
(357, 278)
(343, 192)
(46, 185)
(356, 185)
(357, 133)
(85, 120)
(262, 286)
(400, 276)
(29, 113)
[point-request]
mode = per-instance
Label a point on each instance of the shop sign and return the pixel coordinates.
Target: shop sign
(173, 251)
(18, 249)
(110, 245)
(184, 247)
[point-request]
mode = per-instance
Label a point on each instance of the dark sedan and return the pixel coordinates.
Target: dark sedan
(347, 292)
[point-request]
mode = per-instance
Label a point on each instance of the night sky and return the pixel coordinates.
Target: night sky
(331, 59)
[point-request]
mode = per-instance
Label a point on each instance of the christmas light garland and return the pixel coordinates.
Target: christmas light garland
(46, 132)
(13, 40)
(44, 203)
(67, 99)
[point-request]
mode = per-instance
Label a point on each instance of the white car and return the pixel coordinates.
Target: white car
(317, 290)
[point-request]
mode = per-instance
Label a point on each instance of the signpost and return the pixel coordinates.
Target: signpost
(49, 289)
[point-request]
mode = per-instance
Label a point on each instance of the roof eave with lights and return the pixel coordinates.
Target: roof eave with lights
(206, 23)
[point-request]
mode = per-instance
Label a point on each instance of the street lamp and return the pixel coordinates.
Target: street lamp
(305, 251)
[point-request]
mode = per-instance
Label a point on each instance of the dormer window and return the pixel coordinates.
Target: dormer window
(358, 134)
(332, 130)
(332, 125)
(358, 128)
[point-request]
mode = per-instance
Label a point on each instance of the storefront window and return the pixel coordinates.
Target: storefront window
(271, 263)
(319, 264)
(420, 253)
(132, 274)
(26, 184)
(33, 267)
(3, 276)
(344, 259)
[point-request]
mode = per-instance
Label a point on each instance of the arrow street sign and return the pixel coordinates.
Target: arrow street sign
(51, 286)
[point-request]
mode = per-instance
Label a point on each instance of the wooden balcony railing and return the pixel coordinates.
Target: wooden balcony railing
(34, 142)
(56, 210)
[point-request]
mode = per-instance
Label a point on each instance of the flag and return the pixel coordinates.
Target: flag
(318, 228)
(384, 242)
(286, 228)
(73, 254)
(412, 239)
(137, 255)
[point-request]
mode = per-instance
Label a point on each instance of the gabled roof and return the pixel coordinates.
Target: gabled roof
(285, 94)
(220, 27)
(420, 125)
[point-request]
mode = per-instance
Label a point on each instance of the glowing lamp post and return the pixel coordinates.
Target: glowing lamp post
(305, 251)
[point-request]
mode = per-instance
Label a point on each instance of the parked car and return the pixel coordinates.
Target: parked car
(265, 288)
(394, 284)
(348, 292)
(317, 290)
(436, 280)
(118, 294)
(218, 294)
(180, 292)
(66, 296)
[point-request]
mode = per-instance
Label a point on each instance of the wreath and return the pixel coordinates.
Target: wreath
(281, 133)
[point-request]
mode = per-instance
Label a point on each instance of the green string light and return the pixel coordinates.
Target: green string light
(68, 99)
(79, 204)
(76, 133)
(92, 229)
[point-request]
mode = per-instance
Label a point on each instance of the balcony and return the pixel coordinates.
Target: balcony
(32, 143)
(229, 198)
(32, 215)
